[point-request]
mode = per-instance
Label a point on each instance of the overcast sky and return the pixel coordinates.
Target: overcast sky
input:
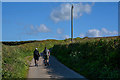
(43, 20)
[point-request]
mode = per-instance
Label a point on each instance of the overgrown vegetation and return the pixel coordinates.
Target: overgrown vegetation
(15, 58)
(93, 58)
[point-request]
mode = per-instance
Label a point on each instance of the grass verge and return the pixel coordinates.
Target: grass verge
(15, 58)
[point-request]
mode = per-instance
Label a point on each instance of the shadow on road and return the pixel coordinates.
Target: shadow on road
(58, 70)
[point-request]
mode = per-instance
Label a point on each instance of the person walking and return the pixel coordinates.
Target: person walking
(46, 56)
(36, 56)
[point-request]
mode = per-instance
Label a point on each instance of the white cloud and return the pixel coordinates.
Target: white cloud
(82, 35)
(30, 30)
(93, 33)
(43, 28)
(59, 31)
(32, 27)
(100, 33)
(106, 32)
(63, 12)
(66, 36)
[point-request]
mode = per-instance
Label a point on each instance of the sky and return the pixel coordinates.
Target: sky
(23, 21)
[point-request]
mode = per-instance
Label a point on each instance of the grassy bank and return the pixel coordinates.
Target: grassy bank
(15, 58)
(93, 58)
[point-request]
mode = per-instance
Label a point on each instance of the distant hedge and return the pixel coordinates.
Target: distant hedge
(13, 43)
(16, 43)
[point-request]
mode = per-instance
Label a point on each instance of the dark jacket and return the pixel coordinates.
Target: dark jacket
(36, 54)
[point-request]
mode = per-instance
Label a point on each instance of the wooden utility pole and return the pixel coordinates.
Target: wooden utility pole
(72, 23)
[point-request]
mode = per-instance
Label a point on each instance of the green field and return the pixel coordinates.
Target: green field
(91, 57)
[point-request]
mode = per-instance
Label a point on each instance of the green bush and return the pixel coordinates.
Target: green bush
(93, 58)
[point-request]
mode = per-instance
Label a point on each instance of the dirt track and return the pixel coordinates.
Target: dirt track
(55, 70)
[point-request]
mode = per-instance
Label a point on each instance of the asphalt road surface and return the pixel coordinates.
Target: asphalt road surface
(55, 70)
